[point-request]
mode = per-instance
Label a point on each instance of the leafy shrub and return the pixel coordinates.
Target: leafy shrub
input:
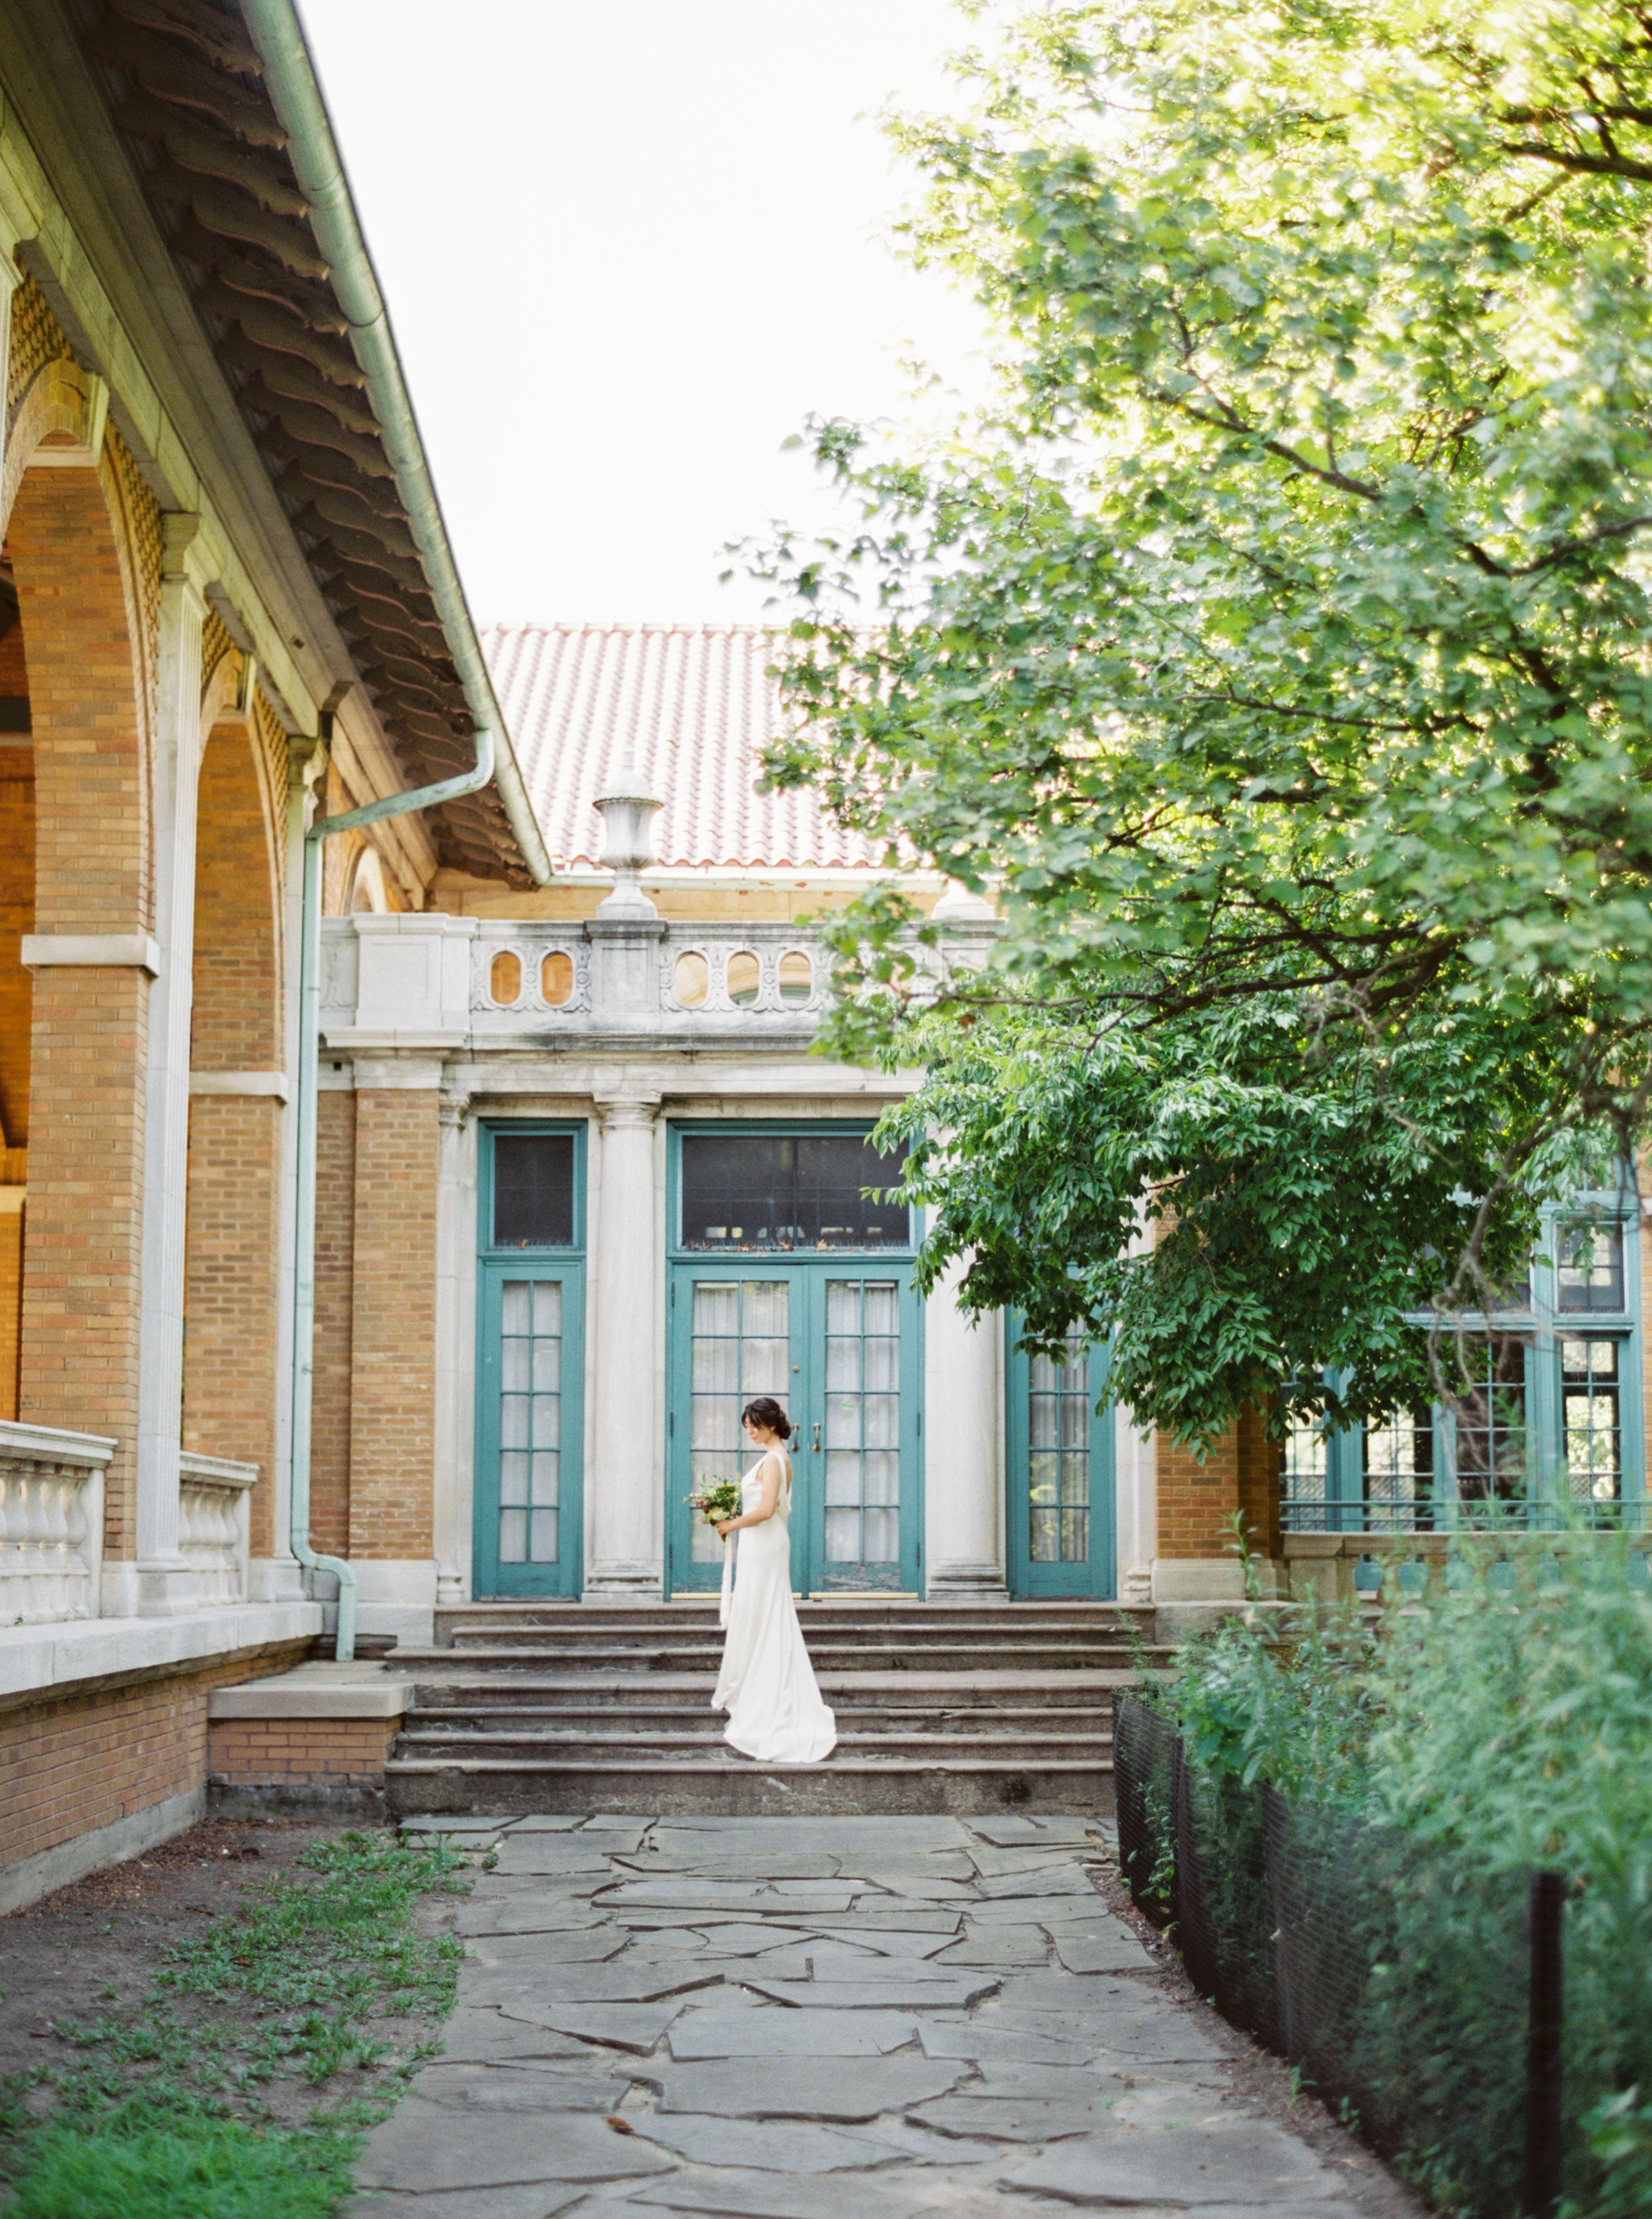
(1430, 1763)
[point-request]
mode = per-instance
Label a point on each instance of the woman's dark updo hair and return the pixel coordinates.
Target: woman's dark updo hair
(767, 1411)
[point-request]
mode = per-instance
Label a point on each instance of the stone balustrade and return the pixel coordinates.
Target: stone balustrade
(51, 1524)
(212, 1525)
(454, 982)
(1346, 1568)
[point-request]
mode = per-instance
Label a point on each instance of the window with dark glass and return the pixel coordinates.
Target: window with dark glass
(786, 1190)
(533, 1190)
(1589, 1268)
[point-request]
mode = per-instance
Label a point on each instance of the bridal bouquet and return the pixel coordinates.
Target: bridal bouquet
(717, 1499)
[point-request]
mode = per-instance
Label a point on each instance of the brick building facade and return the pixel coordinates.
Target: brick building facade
(580, 1183)
(226, 606)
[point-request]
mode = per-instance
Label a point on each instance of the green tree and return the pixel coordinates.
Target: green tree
(1274, 649)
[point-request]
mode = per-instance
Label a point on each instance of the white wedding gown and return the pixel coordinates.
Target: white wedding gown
(767, 1684)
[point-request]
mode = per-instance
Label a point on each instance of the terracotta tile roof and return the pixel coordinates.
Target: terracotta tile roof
(692, 704)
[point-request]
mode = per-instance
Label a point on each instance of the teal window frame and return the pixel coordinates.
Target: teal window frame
(1543, 1329)
(1097, 1574)
(807, 1272)
(495, 1267)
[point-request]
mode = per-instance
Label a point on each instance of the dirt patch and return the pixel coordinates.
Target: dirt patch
(95, 1947)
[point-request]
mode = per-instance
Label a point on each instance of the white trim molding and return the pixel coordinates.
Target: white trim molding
(240, 1082)
(99, 951)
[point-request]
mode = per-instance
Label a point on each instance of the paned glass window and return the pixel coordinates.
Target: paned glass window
(530, 1420)
(533, 1190)
(863, 1419)
(740, 1348)
(1399, 1457)
(1058, 1418)
(1590, 1377)
(1307, 1477)
(1491, 1422)
(1589, 1272)
(786, 1190)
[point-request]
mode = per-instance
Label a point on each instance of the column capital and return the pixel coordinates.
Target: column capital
(622, 1112)
(185, 557)
(307, 758)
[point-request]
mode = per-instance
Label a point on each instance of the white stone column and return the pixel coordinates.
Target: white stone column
(1136, 1516)
(963, 1462)
(162, 1583)
(626, 1513)
(277, 1577)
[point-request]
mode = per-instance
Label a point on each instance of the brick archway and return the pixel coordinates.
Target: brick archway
(84, 538)
(237, 1059)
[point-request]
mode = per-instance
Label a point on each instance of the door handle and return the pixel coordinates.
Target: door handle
(816, 1437)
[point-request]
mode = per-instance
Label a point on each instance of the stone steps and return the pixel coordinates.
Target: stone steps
(854, 1716)
(724, 1784)
(828, 1655)
(949, 1707)
(475, 1745)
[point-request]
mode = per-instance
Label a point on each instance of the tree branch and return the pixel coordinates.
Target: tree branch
(1588, 165)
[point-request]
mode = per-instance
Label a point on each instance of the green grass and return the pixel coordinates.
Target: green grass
(170, 2111)
(204, 2168)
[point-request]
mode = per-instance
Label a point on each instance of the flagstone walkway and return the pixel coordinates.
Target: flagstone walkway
(789, 2019)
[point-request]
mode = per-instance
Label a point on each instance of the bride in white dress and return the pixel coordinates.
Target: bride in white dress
(767, 1684)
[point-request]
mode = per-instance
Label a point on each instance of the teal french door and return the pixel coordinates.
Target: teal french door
(838, 1343)
(1060, 1469)
(529, 1511)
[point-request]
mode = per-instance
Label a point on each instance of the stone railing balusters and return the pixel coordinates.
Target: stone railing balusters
(51, 1524)
(455, 983)
(212, 1525)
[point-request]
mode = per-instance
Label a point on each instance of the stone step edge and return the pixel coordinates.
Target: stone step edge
(820, 1627)
(705, 1598)
(401, 1657)
(415, 1737)
(822, 1636)
(1097, 1678)
(507, 1718)
(1054, 1640)
(410, 1767)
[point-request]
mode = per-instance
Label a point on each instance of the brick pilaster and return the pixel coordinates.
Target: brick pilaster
(392, 1326)
(230, 1373)
(1196, 1501)
(335, 1267)
(82, 1241)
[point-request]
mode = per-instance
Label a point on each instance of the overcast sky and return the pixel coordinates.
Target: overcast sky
(627, 245)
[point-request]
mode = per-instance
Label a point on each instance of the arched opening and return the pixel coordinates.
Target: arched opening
(237, 1087)
(369, 895)
(16, 997)
(83, 538)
